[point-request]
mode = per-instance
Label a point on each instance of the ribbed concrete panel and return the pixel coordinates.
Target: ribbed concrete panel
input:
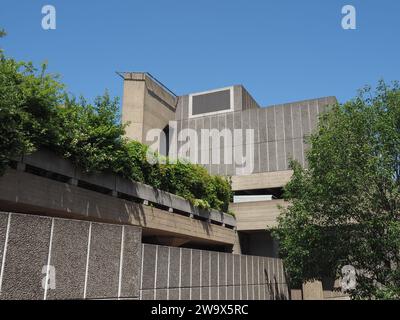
(264, 157)
(174, 268)
(131, 262)
(280, 123)
(296, 121)
(281, 155)
(250, 271)
(222, 276)
(229, 277)
(162, 270)
(287, 114)
(236, 276)
(272, 156)
(214, 276)
(26, 255)
(244, 277)
(196, 275)
(254, 123)
(186, 268)
(314, 110)
(149, 266)
(271, 132)
(305, 119)
(205, 274)
(262, 124)
(68, 256)
(104, 261)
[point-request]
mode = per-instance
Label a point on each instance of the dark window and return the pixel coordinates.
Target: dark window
(211, 102)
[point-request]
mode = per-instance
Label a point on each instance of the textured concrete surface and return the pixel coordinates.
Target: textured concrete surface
(208, 275)
(36, 244)
(69, 247)
(27, 254)
(104, 261)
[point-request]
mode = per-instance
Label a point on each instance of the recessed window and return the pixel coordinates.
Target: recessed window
(211, 102)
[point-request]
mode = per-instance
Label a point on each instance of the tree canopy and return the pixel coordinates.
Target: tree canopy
(345, 207)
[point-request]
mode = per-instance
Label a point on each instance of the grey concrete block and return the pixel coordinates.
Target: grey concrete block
(222, 292)
(297, 122)
(222, 269)
(104, 261)
(244, 292)
(196, 268)
(27, 254)
(185, 267)
(298, 150)
(105, 180)
(229, 269)
(281, 160)
(50, 161)
(185, 293)
(205, 273)
(147, 294)
(173, 294)
(289, 148)
(271, 127)
(214, 269)
(230, 292)
(162, 267)
(174, 267)
(131, 262)
(287, 115)
(196, 293)
(237, 122)
(68, 256)
(149, 266)
(214, 293)
(229, 122)
(272, 158)
(161, 294)
(236, 292)
(314, 111)
(279, 122)
(262, 125)
(222, 274)
(254, 118)
(305, 119)
(244, 272)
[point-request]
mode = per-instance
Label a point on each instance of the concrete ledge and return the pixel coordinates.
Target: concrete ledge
(28, 193)
(257, 215)
(48, 161)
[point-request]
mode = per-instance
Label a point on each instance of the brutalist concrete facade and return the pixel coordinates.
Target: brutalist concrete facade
(190, 274)
(88, 260)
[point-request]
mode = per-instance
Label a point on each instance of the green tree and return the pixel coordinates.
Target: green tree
(345, 208)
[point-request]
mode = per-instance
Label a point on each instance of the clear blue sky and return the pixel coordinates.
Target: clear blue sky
(280, 50)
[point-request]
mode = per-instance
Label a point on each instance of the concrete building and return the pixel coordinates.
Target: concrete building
(67, 234)
(276, 135)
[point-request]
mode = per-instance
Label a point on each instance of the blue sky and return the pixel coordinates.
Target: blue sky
(281, 50)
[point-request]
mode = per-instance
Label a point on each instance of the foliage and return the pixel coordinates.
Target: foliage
(345, 207)
(35, 112)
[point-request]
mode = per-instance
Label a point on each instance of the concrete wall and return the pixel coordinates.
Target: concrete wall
(146, 105)
(178, 273)
(105, 261)
(279, 132)
(91, 260)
